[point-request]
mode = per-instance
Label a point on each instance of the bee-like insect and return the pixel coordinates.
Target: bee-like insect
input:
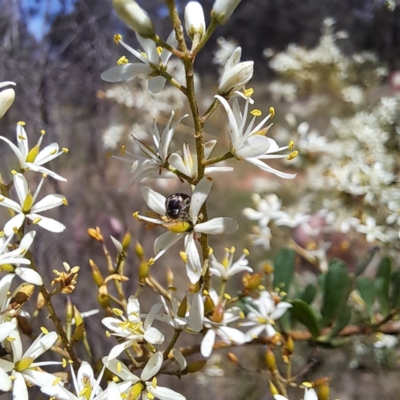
(177, 205)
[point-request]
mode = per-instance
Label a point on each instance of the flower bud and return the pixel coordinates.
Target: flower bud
(194, 19)
(270, 360)
(134, 16)
(236, 74)
(195, 366)
(233, 358)
(7, 97)
(223, 9)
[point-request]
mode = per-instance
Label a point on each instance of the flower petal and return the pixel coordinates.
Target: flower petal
(267, 168)
(207, 343)
(196, 312)
(165, 242)
(163, 393)
(14, 223)
(217, 226)
(154, 336)
(193, 263)
(29, 275)
(154, 200)
(21, 187)
(49, 224)
(120, 369)
(121, 73)
(48, 202)
(199, 196)
(157, 84)
(152, 367)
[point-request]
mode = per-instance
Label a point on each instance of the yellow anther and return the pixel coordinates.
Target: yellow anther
(135, 215)
(21, 137)
(108, 155)
(184, 256)
(256, 113)
(65, 150)
(36, 220)
(119, 367)
(159, 50)
(291, 145)
(210, 251)
(10, 339)
(14, 172)
(292, 155)
(118, 312)
(53, 152)
(154, 382)
(248, 92)
(122, 60)
(227, 296)
(272, 112)
(115, 379)
(44, 330)
(44, 175)
(64, 201)
(42, 132)
(151, 261)
(246, 252)
(21, 123)
(56, 381)
(64, 362)
(108, 334)
(205, 292)
(123, 149)
(117, 38)
(307, 384)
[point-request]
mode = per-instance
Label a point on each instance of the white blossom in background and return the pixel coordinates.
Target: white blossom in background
(224, 51)
(180, 229)
(187, 162)
(147, 383)
(15, 258)
(371, 230)
(112, 135)
(226, 333)
(131, 329)
(251, 144)
(235, 74)
(262, 315)
(7, 97)
(261, 236)
(227, 268)
(150, 62)
(151, 163)
(27, 209)
(267, 208)
(292, 220)
(33, 159)
(23, 368)
(194, 19)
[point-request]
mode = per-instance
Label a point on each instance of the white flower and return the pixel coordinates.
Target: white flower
(27, 208)
(227, 334)
(267, 209)
(263, 314)
(187, 164)
(252, 145)
(33, 159)
(85, 386)
(15, 257)
(134, 16)
(147, 383)
(385, 341)
(7, 97)
(235, 74)
(309, 394)
(291, 220)
(182, 229)
(194, 19)
(150, 62)
(172, 314)
(153, 161)
(132, 329)
(227, 268)
(371, 230)
(261, 236)
(223, 9)
(23, 366)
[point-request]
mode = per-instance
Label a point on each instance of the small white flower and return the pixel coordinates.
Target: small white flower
(251, 144)
(182, 229)
(132, 329)
(194, 19)
(227, 268)
(261, 236)
(27, 208)
(235, 74)
(385, 341)
(153, 161)
(134, 16)
(223, 9)
(23, 368)
(187, 163)
(292, 220)
(147, 381)
(267, 209)
(15, 257)
(150, 62)
(227, 334)
(263, 314)
(7, 97)
(371, 230)
(33, 159)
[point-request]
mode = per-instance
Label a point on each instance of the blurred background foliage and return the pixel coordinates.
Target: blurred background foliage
(56, 50)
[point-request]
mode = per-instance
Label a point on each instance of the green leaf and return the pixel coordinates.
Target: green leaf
(382, 285)
(284, 269)
(337, 287)
(309, 294)
(395, 292)
(341, 322)
(366, 287)
(305, 314)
